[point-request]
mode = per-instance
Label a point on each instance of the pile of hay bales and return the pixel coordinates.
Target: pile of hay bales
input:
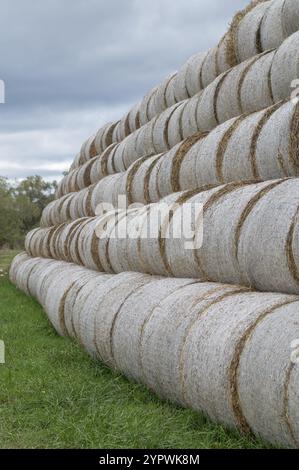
(222, 135)
(250, 237)
(221, 349)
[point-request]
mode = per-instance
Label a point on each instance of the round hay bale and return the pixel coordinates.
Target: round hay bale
(170, 98)
(248, 34)
(180, 88)
(100, 166)
(15, 265)
(159, 140)
(189, 116)
(108, 310)
(175, 126)
(225, 101)
(205, 115)
(208, 71)
(272, 32)
(86, 278)
(290, 17)
(160, 101)
(223, 350)
(285, 68)
(248, 92)
(193, 73)
(137, 145)
(134, 122)
(199, 167)
(55, 297)
(222, 386)
(144, 117)
(80, 297)
(85, 318)
(36, 274)
(73, 244)
(180, 309)
(131, 320)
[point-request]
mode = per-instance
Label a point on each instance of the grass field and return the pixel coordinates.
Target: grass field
(53, 395)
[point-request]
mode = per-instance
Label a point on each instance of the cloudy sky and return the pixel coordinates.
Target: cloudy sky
(69, 66)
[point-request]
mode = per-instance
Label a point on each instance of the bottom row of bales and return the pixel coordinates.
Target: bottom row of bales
(221, 349)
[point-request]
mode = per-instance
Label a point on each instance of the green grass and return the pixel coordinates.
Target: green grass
(6, 257)
(53, 395)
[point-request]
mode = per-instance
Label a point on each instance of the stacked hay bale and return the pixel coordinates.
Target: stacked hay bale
(239, 246)
(219, 137)
(248, 87)
(221, 349)
(261, 26)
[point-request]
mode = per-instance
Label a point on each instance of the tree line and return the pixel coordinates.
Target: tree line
(21, 206)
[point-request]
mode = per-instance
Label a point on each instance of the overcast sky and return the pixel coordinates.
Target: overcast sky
(69, 66)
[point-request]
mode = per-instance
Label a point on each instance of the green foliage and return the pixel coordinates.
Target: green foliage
(21, 206)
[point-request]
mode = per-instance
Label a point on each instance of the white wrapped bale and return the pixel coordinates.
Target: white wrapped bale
(73, 242)
(209, 70)
(16, 264)
(222, 350)
(259, 146)
(277, 24)
(144, 114)
(159, 134)
(55, 297)
(248, 35)
(98, 141)
(290, 12)
(199, 165)
(281, 393)
(193, 73)
(69, 232)
(228, 253)
(96, 336)
(170, 98)
(86, 304)
(131, 320)
(134, 119)
(37, 276)
(248, 93)
(261, 26)
(285, 68)
(175, 126)
(160, 99)
(181, 310)
(21, 270)
(181, 91)
(135, 179)
(246, 88)
(98, 167)
(85, 149)
(86, 278)
(123, 128)
(232, 324)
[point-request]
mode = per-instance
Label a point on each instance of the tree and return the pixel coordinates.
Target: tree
(33, 194)
(10, 220)
(21, 206)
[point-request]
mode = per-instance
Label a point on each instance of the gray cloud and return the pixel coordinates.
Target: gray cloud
(70, 66)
